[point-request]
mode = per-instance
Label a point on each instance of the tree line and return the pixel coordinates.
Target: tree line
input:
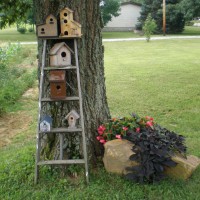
(177, 12)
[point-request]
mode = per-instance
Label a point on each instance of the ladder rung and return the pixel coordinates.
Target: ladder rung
(64, 130)
(64, 99)
(63, 67)
(61, 162)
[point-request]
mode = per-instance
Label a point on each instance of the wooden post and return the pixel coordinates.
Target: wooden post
(164, 17)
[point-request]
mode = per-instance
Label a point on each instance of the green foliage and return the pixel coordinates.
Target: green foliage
(22, 30)
(13, 80)
(149, 27)
(13, 10)
(190, 8)
(174, 17)
(175, 21)
(153, 148)
(109, 8)
(115, 128)
(30, 30)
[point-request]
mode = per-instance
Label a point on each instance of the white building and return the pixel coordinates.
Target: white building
(127, 19)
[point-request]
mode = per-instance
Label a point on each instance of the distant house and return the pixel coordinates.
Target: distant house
(127, 20)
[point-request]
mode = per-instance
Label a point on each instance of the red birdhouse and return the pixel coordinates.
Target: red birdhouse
(57, 84)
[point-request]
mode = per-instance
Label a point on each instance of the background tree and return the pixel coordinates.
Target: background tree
(174, 17)
(109, 8)
(95, 107)
(190, 8)
(13, 10)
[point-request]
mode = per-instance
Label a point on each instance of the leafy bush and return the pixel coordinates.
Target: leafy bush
(149, 27)
(153, 146)
(30, 30)
(13, 80)
(189, 23)
(22, 30)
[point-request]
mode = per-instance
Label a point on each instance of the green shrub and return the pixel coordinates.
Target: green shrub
(13, 80)
(22, 30)
(189, 23)
(30, 30)
(149, 27)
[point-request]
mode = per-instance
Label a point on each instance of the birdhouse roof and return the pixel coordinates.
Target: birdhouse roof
(74, 113)
(47, 118)
(50, 15)
(76, 23)
(66, 8)
(57, 46)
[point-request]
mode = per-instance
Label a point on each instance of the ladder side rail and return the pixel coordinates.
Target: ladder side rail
(81, 113)
(38, 145)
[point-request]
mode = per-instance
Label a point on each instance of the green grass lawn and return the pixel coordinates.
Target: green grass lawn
(160, 79)
(11, 34)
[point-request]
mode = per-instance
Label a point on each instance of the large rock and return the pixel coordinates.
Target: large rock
(116, 156)
(117, 153)
(184, 167)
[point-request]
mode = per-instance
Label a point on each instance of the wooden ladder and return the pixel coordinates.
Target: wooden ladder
(60, 131)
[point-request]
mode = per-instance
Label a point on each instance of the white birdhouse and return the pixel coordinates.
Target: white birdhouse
(46, 124)
(72, 118)
(60, 55)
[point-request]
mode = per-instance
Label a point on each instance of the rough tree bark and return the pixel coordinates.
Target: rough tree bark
(90, 49)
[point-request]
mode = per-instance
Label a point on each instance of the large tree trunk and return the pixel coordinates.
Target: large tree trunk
(90, 49)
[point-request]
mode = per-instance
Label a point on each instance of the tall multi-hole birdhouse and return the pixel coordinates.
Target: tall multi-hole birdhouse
(46, 124)
(72, 117)
(48, 29)
(57, 84)
(69, 27)
(60, 55)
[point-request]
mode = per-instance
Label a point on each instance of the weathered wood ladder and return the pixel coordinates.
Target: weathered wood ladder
(60, 131)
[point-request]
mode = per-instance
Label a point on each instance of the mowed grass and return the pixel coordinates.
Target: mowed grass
(160, 79)
(191, 30)
(12, 35)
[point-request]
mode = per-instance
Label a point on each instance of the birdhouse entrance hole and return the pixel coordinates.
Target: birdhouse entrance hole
(51, 21)
(42, 31)
(58, 87)
(63, 54)
(66, 32)
(65, 14)
(65, 21)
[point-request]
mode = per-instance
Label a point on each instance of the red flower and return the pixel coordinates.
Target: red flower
(118, 136)
(102, 141)
(125, 128)
(99, 137)
(101, 129)
(149, 123)
(149, 118)
(138, 130)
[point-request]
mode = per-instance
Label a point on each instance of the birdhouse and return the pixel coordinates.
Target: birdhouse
(48, 29)
(60, 55)
(69, 27)
(57, 84)
(46, 124)
(72, 118)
